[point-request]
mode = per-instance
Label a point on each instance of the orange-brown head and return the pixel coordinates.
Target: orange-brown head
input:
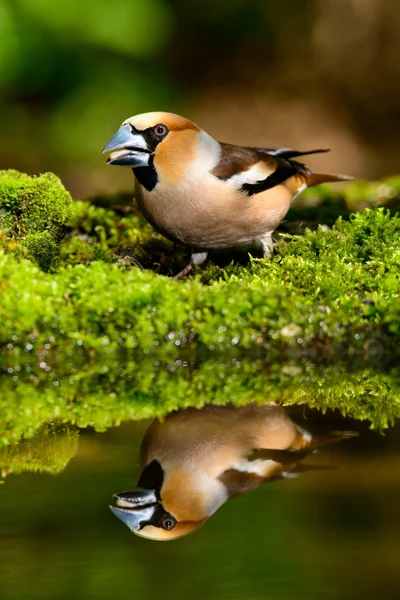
(155, 145)
(169, 506)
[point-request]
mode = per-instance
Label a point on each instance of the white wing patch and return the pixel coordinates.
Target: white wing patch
(263, 468)
(275, 151)
(255, 174)
(306, 434)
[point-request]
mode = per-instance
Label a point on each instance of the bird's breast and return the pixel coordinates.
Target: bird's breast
(212, 214)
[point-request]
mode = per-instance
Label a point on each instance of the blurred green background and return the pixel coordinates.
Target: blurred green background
(295, 73)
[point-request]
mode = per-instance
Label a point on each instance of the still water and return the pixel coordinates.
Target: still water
(321, 522)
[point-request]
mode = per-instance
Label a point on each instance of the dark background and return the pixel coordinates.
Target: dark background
(296, 73)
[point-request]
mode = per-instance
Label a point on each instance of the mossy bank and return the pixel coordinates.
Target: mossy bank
(331, 289)
(330, 292)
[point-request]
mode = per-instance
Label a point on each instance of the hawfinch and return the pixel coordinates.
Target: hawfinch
(195, 460)
(205, 194)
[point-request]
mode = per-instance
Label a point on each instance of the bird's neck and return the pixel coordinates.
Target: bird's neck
(147, 176)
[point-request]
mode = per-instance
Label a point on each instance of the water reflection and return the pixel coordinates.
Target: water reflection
(193, 461)
(49, 451)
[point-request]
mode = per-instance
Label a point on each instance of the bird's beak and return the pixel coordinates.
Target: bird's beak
(136, 507)
(128, 149)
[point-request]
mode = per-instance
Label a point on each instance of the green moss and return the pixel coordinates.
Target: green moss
(34, 212)
(82, 391)
(326, 288)
(113, 233)
(43, 247)
(330, 292)
(10, 245)
(49, 451)
(109, 229)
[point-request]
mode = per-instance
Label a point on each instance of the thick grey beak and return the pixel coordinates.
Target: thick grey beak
(136, 498)
(135, 518)
(127, 149)
(135, 507)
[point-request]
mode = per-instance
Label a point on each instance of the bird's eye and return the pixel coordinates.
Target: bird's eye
(161, 130)
(168, 523)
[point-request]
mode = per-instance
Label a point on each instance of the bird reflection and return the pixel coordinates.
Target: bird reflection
(195, 460)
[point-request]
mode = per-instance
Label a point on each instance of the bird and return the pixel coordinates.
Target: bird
(194, 460)
(205, 194)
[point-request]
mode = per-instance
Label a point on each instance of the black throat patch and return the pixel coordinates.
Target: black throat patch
(147, 176)
(152, 477)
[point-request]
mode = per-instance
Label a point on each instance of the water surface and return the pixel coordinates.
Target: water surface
(331, 532)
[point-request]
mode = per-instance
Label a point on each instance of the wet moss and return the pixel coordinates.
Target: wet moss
(81, 391)
(49, 451)
(33, 214)
(333, 290)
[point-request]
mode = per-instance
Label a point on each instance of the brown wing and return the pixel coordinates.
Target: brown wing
(240, 482)
(254, 170)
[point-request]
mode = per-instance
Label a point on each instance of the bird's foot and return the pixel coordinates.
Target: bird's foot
(184, 272)
(196, 259)
(267, 245)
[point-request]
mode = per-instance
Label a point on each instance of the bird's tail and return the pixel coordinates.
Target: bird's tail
(333, 437)
(317, 178)
(320, 440)
(309, 442)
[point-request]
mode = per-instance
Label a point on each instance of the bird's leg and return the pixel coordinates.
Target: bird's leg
(266, 244)
(184, 272)
(196, 259)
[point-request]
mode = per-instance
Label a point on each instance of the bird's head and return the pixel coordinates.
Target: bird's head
(163, 506)
(160, 145)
